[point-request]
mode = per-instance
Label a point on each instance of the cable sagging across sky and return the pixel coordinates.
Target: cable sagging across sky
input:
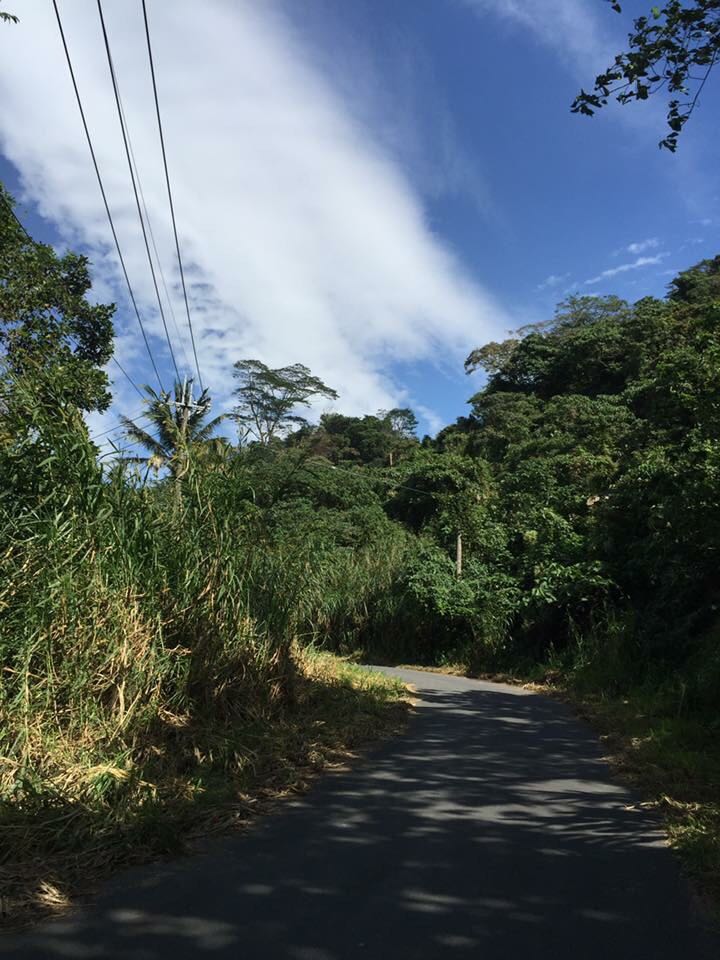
(169, 193)
(104, 195)
(125, 136)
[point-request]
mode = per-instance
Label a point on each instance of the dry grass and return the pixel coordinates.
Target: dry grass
(188, 781)
(148, 686)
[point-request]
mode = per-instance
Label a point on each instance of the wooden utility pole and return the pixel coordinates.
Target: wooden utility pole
(458, 555)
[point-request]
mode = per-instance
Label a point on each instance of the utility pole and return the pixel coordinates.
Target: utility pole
(185, 404)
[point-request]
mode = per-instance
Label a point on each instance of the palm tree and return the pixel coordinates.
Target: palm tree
(181, 432)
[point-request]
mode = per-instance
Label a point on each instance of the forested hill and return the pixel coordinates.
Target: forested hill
(584, 484)
(600, 430)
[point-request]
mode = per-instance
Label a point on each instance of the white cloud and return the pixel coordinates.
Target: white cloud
(553, 280)
(434, 421)
(640, 246)
(571, 28)
(624, 267)
(303, 238)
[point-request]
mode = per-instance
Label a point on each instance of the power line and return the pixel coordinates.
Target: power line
(152, 237)
(120, 367)
(125, 136)
(15, 217)
(141, 415)
(127, 376)
(169, 191)
(72, 340)
(102, 191)
(136, 417)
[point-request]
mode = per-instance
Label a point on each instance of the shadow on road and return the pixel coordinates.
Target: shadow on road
(490, 830)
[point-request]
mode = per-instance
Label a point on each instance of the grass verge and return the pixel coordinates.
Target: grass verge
(61, 838)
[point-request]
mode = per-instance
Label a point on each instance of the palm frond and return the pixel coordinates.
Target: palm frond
(205, 433)
(143, 438)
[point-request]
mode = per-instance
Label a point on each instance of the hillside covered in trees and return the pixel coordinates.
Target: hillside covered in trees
(159, 606)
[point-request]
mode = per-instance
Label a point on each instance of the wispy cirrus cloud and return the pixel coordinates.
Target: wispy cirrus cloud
(573, 29)
(434, 422)
(303, 235)
(584, 35)
(640, 246)
(626, 267)
(552, 281)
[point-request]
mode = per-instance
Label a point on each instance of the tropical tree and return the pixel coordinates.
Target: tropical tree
(675, 49)
(181, 431)
(268, 398)
(580, 350)
(401, 424)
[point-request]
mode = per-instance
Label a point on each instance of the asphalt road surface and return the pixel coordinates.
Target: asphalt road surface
(490, 830)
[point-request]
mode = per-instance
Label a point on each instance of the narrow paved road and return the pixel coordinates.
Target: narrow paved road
(490, 830)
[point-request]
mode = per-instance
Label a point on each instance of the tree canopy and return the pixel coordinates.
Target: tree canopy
(373, 440)
(49, 330)
(155, 637)
(267, 398)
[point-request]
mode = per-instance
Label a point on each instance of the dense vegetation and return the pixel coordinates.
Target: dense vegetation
(152, 612)
(157, 611)
(599, 433)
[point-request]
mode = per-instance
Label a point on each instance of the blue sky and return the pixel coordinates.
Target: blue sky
(370, 188)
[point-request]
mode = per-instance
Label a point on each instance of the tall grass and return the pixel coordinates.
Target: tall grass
(148, 644)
